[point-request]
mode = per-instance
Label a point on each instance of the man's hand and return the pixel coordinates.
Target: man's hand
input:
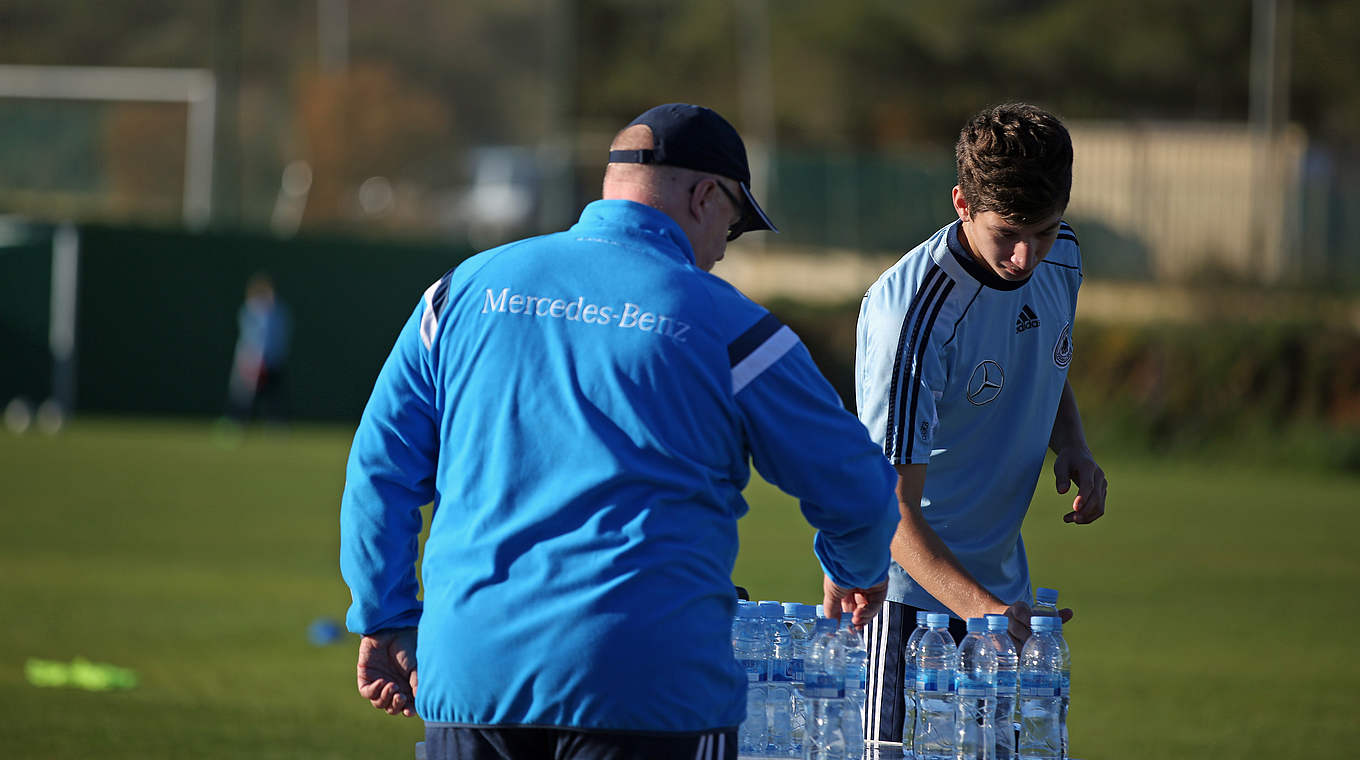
(861, 603)
(1077, 464)
(387, 670)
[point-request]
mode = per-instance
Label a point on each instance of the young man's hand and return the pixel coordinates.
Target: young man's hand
(1076, 464)
(1018, 621)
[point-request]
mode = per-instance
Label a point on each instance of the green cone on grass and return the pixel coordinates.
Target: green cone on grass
(79, 673)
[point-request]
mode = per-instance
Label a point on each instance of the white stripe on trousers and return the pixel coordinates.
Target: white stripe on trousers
(707, 743)
(878, 648)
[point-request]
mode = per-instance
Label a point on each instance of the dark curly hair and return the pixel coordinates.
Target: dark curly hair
(1016, 160)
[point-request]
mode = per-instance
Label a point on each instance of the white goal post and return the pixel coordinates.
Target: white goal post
(196, 88)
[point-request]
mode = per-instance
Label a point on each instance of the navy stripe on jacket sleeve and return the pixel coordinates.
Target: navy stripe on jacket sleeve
(752, 339)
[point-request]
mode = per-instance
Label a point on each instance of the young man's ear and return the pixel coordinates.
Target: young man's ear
(961, 205)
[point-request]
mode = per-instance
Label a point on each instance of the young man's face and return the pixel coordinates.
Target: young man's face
(1010, 250)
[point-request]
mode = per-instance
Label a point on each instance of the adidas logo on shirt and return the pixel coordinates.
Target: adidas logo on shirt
(1026, 320)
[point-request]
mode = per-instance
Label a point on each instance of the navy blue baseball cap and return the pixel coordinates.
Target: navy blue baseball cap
(694, 137)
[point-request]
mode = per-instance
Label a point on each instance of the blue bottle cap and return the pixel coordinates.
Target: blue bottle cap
(937, 620)
(977, 625)
(791, 609)
(998, 623)
(806, 611)
(1045, 623)
(771, 610)
(1046, 595)
(921, 617)
(748, 611)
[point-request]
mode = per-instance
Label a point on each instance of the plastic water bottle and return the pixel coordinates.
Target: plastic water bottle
(1044, 673)
(1066, 684)
(909, 681)
(936, 663)
(1045, 602)
(856, 686)
(779, 689)
(975, 695)
(1007, 663)
(748, 646)
(801, 619)
(823, 739)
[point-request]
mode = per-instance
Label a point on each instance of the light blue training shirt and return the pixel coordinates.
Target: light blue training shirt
(581, 409)
(961, 370)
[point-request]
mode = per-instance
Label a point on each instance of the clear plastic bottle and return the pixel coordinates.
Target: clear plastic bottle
(856, 686)
(801, 619)
(779, 688)
(936, 663)
(1045, 602)
(749, 648)
(823, 739)
(909, 681)
(1066, 685)
(975, 695)
(1007, 664)
(1044, 671)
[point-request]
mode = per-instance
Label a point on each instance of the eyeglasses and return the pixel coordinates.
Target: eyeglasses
(734, 231)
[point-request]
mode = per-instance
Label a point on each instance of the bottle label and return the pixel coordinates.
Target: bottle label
(934, 680)
(1066, 684)
(1040, 685)
(781, 670)
(975, 687)
(1005, 682)
(825, 686)
(755, 670)
(797, 669)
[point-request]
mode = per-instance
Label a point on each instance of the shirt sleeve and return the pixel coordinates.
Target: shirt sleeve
(898, 369)
(389, 477)
(803, 441)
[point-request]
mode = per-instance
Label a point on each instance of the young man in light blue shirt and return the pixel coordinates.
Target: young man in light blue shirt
(962, 354)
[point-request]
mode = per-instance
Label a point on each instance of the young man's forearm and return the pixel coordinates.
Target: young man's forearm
(923, 554)
(1067, 428)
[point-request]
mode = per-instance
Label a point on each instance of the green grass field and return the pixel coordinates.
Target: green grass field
(1207, 589)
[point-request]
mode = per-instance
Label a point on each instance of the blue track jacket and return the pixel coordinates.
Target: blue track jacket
(581, 408)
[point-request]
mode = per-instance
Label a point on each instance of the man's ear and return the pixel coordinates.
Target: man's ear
(961, 205)
(701, 198)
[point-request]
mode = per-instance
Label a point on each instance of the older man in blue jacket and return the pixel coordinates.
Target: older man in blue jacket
(582, 408)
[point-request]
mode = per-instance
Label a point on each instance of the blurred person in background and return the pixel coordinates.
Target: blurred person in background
(582, 409)
(961, 367)
(257, 387)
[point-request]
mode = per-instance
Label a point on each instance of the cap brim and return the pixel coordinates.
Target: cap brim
(755, 218)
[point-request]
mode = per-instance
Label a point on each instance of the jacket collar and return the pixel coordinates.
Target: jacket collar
(635, 220)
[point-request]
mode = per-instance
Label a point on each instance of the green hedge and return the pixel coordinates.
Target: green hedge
(1273, 391)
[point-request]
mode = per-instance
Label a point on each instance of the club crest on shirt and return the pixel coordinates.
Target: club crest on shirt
(1062, 350)
(985, 383)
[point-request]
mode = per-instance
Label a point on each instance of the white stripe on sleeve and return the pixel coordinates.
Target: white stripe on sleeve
(429, 321)
(759, 360)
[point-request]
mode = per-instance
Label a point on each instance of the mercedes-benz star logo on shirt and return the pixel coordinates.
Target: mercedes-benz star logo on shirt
(985, 384)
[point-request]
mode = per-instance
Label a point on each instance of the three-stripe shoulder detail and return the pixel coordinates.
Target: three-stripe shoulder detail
(905, 388)
(756, 349)
(436, 298)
